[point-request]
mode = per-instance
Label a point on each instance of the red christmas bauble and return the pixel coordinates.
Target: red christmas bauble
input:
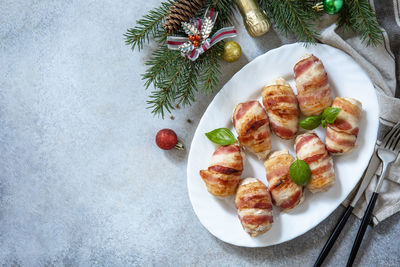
(166, 139)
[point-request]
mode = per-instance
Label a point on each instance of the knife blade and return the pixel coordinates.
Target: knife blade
(369, 173)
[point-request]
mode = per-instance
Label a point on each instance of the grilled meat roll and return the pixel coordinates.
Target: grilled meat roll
(341, 136)
(285, 193)
(281, 105)
(310, 148)
(254, 205)
(252, 125)
(224, 171)
(313, 91)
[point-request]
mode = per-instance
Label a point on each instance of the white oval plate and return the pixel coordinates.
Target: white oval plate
(347, 79)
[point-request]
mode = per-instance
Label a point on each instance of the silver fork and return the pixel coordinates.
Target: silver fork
(388, 152)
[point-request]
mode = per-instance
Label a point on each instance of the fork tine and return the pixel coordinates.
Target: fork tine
(396, 147)
(389, 135)
(392, 140)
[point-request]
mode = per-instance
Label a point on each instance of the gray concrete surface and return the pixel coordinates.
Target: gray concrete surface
(81, 180)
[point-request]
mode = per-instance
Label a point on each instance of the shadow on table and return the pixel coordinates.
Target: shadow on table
(311, 243)
(382, 229)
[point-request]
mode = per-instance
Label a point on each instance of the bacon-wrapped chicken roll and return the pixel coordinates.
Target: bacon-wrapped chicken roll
(285, 193)
(254, 205)
(224, 171)
(313, 91)
(341, 136)
(281, 105)
(252, 125)
(310, 148)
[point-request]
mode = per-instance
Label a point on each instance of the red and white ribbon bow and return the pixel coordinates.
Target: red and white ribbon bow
(199, 27)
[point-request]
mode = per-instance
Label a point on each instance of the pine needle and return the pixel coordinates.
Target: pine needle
(358, 16)
(211, 68)
(163, 97)
(293, 17)
(159, 65)
(225, 11)
(185, 95)
(175, 79)
(150, 24)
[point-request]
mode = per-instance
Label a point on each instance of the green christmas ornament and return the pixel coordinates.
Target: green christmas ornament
(333, 6)
(329, 6)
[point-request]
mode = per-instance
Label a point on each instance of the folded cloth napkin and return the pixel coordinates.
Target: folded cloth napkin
(380, 64)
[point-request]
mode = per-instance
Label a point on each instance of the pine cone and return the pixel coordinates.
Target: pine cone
(181, 11)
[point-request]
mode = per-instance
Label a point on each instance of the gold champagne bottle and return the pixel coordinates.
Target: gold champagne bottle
(254, 18)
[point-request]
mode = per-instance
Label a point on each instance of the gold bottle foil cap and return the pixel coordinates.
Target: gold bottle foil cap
(254, 18)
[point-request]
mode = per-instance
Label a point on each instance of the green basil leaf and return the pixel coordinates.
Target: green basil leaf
(310, 123)
(221, 136)
(330, 114)
(324, 123)
(300, 172)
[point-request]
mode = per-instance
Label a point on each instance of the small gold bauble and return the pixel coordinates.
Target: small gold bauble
(232, 51)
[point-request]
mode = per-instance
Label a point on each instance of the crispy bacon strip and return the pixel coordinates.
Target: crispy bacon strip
(285, 193)
(252, 125)
(341, 136)
(254, 205)
(310, 148)
(313, 91)
(281, 105)
(224, 171)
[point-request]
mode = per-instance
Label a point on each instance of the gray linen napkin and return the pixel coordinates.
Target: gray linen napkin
(380, 64)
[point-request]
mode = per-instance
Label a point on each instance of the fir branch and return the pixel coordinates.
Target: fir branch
(176, 79)
(150, 24)
(209, 77)
(293, 17)
(344, 19)
(225, 10)
(359, 16)
(159, 65)
(185, 95)
(163, 98)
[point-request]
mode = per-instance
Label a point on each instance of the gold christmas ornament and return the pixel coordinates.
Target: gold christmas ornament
(254, 18)
(232, 51)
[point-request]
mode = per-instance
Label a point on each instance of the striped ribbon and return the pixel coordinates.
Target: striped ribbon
(176, 42)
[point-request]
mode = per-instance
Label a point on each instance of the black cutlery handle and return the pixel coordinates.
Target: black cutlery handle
(363, 227)
(333, 237)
